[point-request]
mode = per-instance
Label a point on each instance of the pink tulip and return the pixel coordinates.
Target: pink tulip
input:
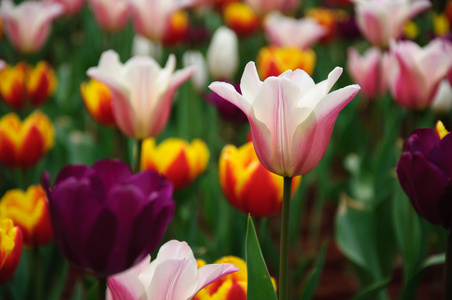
(263, 7)
(414, 73)
(284, 31)
(111, 15)
(150, 18)
(142, 91)
(173, 275)
(71, 7)
(28, 24)
(382, 20)
(291, 117)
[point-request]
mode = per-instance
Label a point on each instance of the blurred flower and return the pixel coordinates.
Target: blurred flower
(442, 102)
(347, 28)
(176, 159)
(263, 7)
(227, 110)
(174, 274)
(22, 84)
(291, 117)
(383, 20)
(141, 46)
(124, 215)
(284, 31)
(22, 144)
(71, 7)
(142, 91)
(1, 29)
(2, 65)
(424, 172)
(410, 30)
(110, 15)
(441, 25)
(10, 248)
(28, 24)
(241, 18)
(329, 19)
(196, 59)
(97, 99)
(414, 73)
(247, 185)
(273, 61)
(177, 28)
(30, 212)
(223, 54)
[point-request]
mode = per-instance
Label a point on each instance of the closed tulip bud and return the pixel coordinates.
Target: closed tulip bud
(273, 61)
(176, 159)
(196, 59)
(10, 248)
(223, 54)
(177, 28)
(23, 143)
(241, 18)
(97, 99)
(247, 185)
(110, 15)
(442, 103)
(30, 212)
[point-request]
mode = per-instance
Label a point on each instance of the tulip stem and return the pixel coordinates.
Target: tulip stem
(448, 268)
(137, 157)
(101, 288)
(37, 273)
(284, 248)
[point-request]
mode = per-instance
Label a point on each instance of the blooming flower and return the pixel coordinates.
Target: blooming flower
(177, 28)
(247, 185)
(28, 24)
(98, 101)
(22, 144)
(29, 211)
(176, 159)
(124, 215)
(110, 15)
(241, 18)
(291, 117)
(289, 32)
(223, 54)
(263, 7)
(383, 20)
(142, 91)
(173, 275)
(71, 7)
(10, 249)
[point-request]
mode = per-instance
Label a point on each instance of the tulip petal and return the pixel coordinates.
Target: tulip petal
(210, 273)
(229, 93)
(126, 286)
(440, 155)
(313, 96)
(111, 172)
(250, 82)
(421, 140)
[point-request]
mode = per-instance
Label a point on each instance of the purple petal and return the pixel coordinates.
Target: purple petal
(149, 182)
(421, 140)
(112, 172)
(440, 155)
(76, 171)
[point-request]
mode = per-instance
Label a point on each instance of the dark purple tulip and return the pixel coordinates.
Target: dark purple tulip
(105, 219)
(425, 172)
(227, 110)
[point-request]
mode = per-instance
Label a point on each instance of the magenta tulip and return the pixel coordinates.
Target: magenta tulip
(111, 15)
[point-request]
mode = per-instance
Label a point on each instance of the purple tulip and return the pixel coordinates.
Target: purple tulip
(105, 219)
(424, 170)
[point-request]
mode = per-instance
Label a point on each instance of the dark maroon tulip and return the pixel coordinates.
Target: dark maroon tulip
(425, 172)
(105, 219)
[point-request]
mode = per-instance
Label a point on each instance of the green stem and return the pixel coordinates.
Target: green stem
(37, 273)
(448, 268)
(101, 288)
(284, 255)
(137, 159)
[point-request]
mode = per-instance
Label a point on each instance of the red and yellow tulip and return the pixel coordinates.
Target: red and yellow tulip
(98, 101)
(29, 211)
(10, 248)
(241, 18)
(23, 143)
(177, 28)
(175, 158)
(247, 185)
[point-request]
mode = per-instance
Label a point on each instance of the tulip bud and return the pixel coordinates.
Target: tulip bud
(97, 99)
(196, 59)
(241, 18)
(222, 55)
(10, 249)
(110, 15)
(142, 46)
(442, 102)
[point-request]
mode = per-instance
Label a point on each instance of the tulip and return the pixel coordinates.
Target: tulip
(196, 59)
(141, 46)
(247, 185)
(223, 54)
(176, 159)
(22, 144)
(97, 99)
(173, 275)
(263, 7)
(241, 18)
(10, 249)
(329, 19)
(124, 215)
(289, 32)
(142, 91)
(110, 15)
(414, 73)
(227, 110)
(28, 24)
(273, 61)
(71, 7)
(177, 28)
(29, 211)
(442, 102)
(291, 117)
(383, 20)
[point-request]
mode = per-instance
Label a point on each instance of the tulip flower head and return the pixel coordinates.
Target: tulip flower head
(177, 28)
(442, 103)
(71, 7)
(142, 91)
(27, 25)
(247, 185)
(176, 159)
(241, 18)
(173, 275)
(98, 102)
(10, 248)
(29, 211)
(263, 7)
(291, 117)
(222, 54)
(110, 15)
(124, 215)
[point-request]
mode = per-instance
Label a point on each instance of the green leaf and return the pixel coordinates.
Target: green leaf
(314, 276)
(373, 291)
(260, 286)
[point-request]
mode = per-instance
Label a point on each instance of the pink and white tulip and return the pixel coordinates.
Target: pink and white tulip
(382, 20)
(71, 7)
(111, 15)
(173, 275)
(442, 102)
(284, 31)
(142, 91)
(414, 72)
(28, 24)
(291, 117)
(263, 7)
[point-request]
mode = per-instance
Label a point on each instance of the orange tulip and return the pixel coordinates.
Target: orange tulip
(247, 185)
(328, 18)
(29, 211)
(97, 99)
(241, 18)
(10, 248)
(176, 159)
(22, 144)
(177, 28)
